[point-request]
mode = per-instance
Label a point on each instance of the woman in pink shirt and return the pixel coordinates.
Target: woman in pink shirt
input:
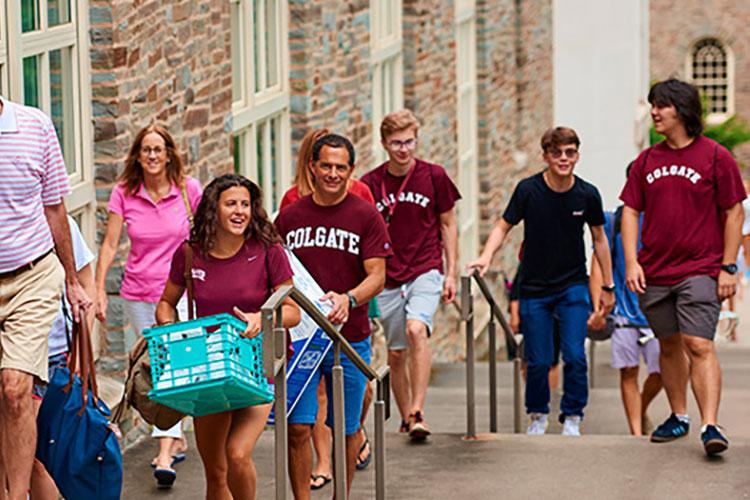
(151, 198)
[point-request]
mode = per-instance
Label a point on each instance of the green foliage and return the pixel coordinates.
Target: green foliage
(730, 133)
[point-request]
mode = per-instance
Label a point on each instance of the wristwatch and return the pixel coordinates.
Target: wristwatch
(352, 300)
(610, 288)
(730, 268)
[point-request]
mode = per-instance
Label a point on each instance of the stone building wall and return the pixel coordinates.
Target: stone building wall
(329, 52)
(164, 62)
(672, 37)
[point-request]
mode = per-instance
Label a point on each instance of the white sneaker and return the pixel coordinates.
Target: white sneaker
(537, 425)
(572, 426)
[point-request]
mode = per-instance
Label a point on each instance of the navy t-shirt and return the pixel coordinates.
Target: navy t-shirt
(554, 255)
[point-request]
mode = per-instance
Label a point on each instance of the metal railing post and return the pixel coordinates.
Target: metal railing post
(339, 434)
(467, 311)
(382, 395)
(592, 345)
(493, 374)
(280, 425)
(517, 402)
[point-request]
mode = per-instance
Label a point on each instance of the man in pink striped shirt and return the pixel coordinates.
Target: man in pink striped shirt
(33, 223)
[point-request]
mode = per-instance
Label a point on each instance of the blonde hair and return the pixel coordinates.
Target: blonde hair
(302, 179)
(398, 121)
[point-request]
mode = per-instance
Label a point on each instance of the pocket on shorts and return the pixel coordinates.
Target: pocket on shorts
(699, 290)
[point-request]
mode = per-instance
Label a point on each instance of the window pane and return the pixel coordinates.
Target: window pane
(259, 153)
(29, 15)
(61, 102)
(275, 149)
(257, 56)
(272, 31)
(58, 12)
(237, 153)
(237, 69)
(31, 75)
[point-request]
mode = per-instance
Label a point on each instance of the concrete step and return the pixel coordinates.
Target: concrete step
(504, 466)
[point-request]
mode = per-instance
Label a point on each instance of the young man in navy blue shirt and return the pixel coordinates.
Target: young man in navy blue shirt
(554, 205)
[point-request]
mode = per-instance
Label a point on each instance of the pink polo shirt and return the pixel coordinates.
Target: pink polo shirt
(155, 231)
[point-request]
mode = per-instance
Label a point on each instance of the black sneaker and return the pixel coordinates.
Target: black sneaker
(714, 442)
(671, 429)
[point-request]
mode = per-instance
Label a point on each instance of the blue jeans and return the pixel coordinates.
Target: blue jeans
(571, 306)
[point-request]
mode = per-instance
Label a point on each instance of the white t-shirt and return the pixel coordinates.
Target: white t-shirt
(58, 342)
(746, 224)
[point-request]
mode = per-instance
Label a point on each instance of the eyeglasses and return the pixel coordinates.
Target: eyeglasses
(158, 150)
(408, 144)
(558, 153)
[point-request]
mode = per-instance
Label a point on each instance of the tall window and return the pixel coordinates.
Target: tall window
(260, 94)
(711, 69)
(466, 119)
(44, 63)
(387, 66)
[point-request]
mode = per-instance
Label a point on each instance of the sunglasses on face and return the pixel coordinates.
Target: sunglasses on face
(569, 153)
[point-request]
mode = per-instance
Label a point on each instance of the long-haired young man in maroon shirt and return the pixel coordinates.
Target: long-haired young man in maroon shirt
(690, 191)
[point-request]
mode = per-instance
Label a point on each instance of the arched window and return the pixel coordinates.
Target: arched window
(711, 70)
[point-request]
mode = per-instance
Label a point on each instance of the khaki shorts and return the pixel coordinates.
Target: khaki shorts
(29, 303)
(691, 307)
(415, 300)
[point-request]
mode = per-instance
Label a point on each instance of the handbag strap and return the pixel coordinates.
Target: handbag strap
(186, 200)
(82, 354)
(189, 278)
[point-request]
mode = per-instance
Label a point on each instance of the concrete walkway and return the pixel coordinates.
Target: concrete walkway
(604, 463)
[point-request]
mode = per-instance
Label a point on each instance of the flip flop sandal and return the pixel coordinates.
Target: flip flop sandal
(362, 463)
(314, 485)
(164, 477)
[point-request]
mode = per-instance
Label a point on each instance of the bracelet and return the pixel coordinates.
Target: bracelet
(610, 288)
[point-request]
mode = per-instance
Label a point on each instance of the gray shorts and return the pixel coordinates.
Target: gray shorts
(691, 307)
(417, 300)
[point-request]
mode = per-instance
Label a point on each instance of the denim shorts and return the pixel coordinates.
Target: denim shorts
(54, 362)
(355, 383)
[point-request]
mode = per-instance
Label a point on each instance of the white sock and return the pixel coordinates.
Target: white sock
(684, 418)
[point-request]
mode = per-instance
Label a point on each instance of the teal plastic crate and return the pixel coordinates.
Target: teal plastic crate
(205, 366)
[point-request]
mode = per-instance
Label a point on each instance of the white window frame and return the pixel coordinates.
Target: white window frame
(715, 117)
(259, 104)
(467, 131)
(14, 47)
(387, 64)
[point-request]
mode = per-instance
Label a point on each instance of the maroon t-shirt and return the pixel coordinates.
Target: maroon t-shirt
(415, 222)
(245, 280)
(332, 243)
(683, 194)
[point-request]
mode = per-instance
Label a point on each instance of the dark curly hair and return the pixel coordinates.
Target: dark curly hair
(206, 222)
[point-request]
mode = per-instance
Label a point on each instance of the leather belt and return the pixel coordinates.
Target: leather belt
(25, 267)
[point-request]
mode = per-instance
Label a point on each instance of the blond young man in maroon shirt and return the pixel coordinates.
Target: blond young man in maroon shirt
(416, 199)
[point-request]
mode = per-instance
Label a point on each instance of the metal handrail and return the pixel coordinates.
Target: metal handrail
(512, 348)
(275, 365)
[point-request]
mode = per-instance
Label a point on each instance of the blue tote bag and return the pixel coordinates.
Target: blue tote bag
(75, 442)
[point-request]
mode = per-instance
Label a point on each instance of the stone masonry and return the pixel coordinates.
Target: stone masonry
(673, 36)
(330, 74)
(163, 62)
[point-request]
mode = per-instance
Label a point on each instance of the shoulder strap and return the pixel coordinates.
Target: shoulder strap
(189, 278)
(186, 200)
(617, 222)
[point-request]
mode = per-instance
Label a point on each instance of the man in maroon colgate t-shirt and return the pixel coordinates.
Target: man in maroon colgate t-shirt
(416, 200)
(343, 243)
(690, 191)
